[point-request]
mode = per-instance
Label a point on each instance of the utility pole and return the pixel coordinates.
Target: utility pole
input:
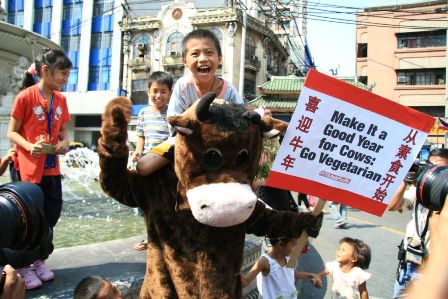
(243, 49)
(446, 76)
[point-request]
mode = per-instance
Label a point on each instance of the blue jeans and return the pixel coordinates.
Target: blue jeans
(339, 211)
(405, 276)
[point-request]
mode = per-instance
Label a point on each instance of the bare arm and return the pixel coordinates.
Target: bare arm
(363, 291)
(138, 149)
(323, 273)
(63, 143)
(15, 137)
(433, 282)
(261, 265)
(315, 279)
(5, 160)
(396, 201)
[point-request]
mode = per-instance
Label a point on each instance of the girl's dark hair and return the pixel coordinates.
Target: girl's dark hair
(361, 251)
(54, 59)
(28, 80)
(198, 34)
(161, 78)
(274, 241)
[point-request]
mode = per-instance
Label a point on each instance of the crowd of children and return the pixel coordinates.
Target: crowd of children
(38, 130)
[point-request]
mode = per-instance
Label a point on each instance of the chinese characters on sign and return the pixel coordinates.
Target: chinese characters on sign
(348, 145)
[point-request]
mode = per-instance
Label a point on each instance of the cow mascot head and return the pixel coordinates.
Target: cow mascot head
(198, 212)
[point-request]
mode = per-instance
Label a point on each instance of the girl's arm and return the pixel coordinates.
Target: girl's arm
(62, 146)
(317, 282)
(363, 291)
(323, 273)
(261, 265)
(4, 162)
(15, 137)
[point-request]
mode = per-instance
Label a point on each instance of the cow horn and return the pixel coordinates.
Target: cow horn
(252, 116)
(203, 106)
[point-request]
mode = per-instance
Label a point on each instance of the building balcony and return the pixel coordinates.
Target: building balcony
(253, 63)
(174, 59)
(139, 62)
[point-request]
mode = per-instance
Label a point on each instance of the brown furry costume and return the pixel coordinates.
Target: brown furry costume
(195, 233)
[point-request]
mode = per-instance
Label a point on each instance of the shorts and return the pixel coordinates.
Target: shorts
(165, 149)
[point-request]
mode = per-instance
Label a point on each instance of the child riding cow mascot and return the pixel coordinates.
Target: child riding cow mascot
(198, 212)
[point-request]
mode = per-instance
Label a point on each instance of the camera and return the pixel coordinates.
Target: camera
(416, 169)
(432, 187)
(25, 235)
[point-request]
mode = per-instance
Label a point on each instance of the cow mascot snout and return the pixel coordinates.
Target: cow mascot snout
(198, 210)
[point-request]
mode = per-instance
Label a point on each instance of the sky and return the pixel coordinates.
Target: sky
(333, 44)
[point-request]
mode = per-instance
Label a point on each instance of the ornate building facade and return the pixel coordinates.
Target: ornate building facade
(153, 43)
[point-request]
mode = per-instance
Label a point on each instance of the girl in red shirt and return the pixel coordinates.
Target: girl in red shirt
(38, 128)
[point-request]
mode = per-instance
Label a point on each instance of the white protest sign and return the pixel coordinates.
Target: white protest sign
(348, 145)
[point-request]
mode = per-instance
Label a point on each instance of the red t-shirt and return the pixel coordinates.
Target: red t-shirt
(31, 109)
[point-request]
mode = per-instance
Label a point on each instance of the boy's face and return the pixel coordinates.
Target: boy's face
(202, 59)
(109, 291)
(158, 94)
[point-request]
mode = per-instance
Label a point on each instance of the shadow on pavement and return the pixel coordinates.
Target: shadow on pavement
(360, 226)
(311, 262)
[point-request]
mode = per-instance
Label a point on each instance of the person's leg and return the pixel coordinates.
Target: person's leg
(52, 189)
(343, 212)
(341, 221)
(158, 157)
(13, 173)
(407, 273)
(150, 163)
(334, 210)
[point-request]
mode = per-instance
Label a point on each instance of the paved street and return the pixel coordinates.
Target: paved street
(381, 234)
(118, 262)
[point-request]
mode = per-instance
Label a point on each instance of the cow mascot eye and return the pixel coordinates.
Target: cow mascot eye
(213, 159)
(242, 159)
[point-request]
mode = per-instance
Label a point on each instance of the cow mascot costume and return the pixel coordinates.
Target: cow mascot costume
(198, 212)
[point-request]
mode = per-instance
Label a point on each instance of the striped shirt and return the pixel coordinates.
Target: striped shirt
(153, 127)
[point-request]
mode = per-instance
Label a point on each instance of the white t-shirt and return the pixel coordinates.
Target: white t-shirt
(278, 283)
(409, 200)
(346, 284)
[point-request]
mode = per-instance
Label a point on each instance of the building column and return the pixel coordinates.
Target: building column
(84, 45)
(56, 21)
(116, 50)
(28, 15)
(230, 50)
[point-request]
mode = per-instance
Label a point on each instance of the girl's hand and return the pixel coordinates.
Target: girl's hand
(36, 149)
(317, 282)
(11, 153)
(62, 147)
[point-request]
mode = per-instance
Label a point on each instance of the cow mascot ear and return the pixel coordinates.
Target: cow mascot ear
(187, 122)
(270, 127)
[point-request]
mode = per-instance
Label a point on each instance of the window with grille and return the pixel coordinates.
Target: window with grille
(362, 50)
(138, 93)
(250, 47)
(421, 39)
(421, 77)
